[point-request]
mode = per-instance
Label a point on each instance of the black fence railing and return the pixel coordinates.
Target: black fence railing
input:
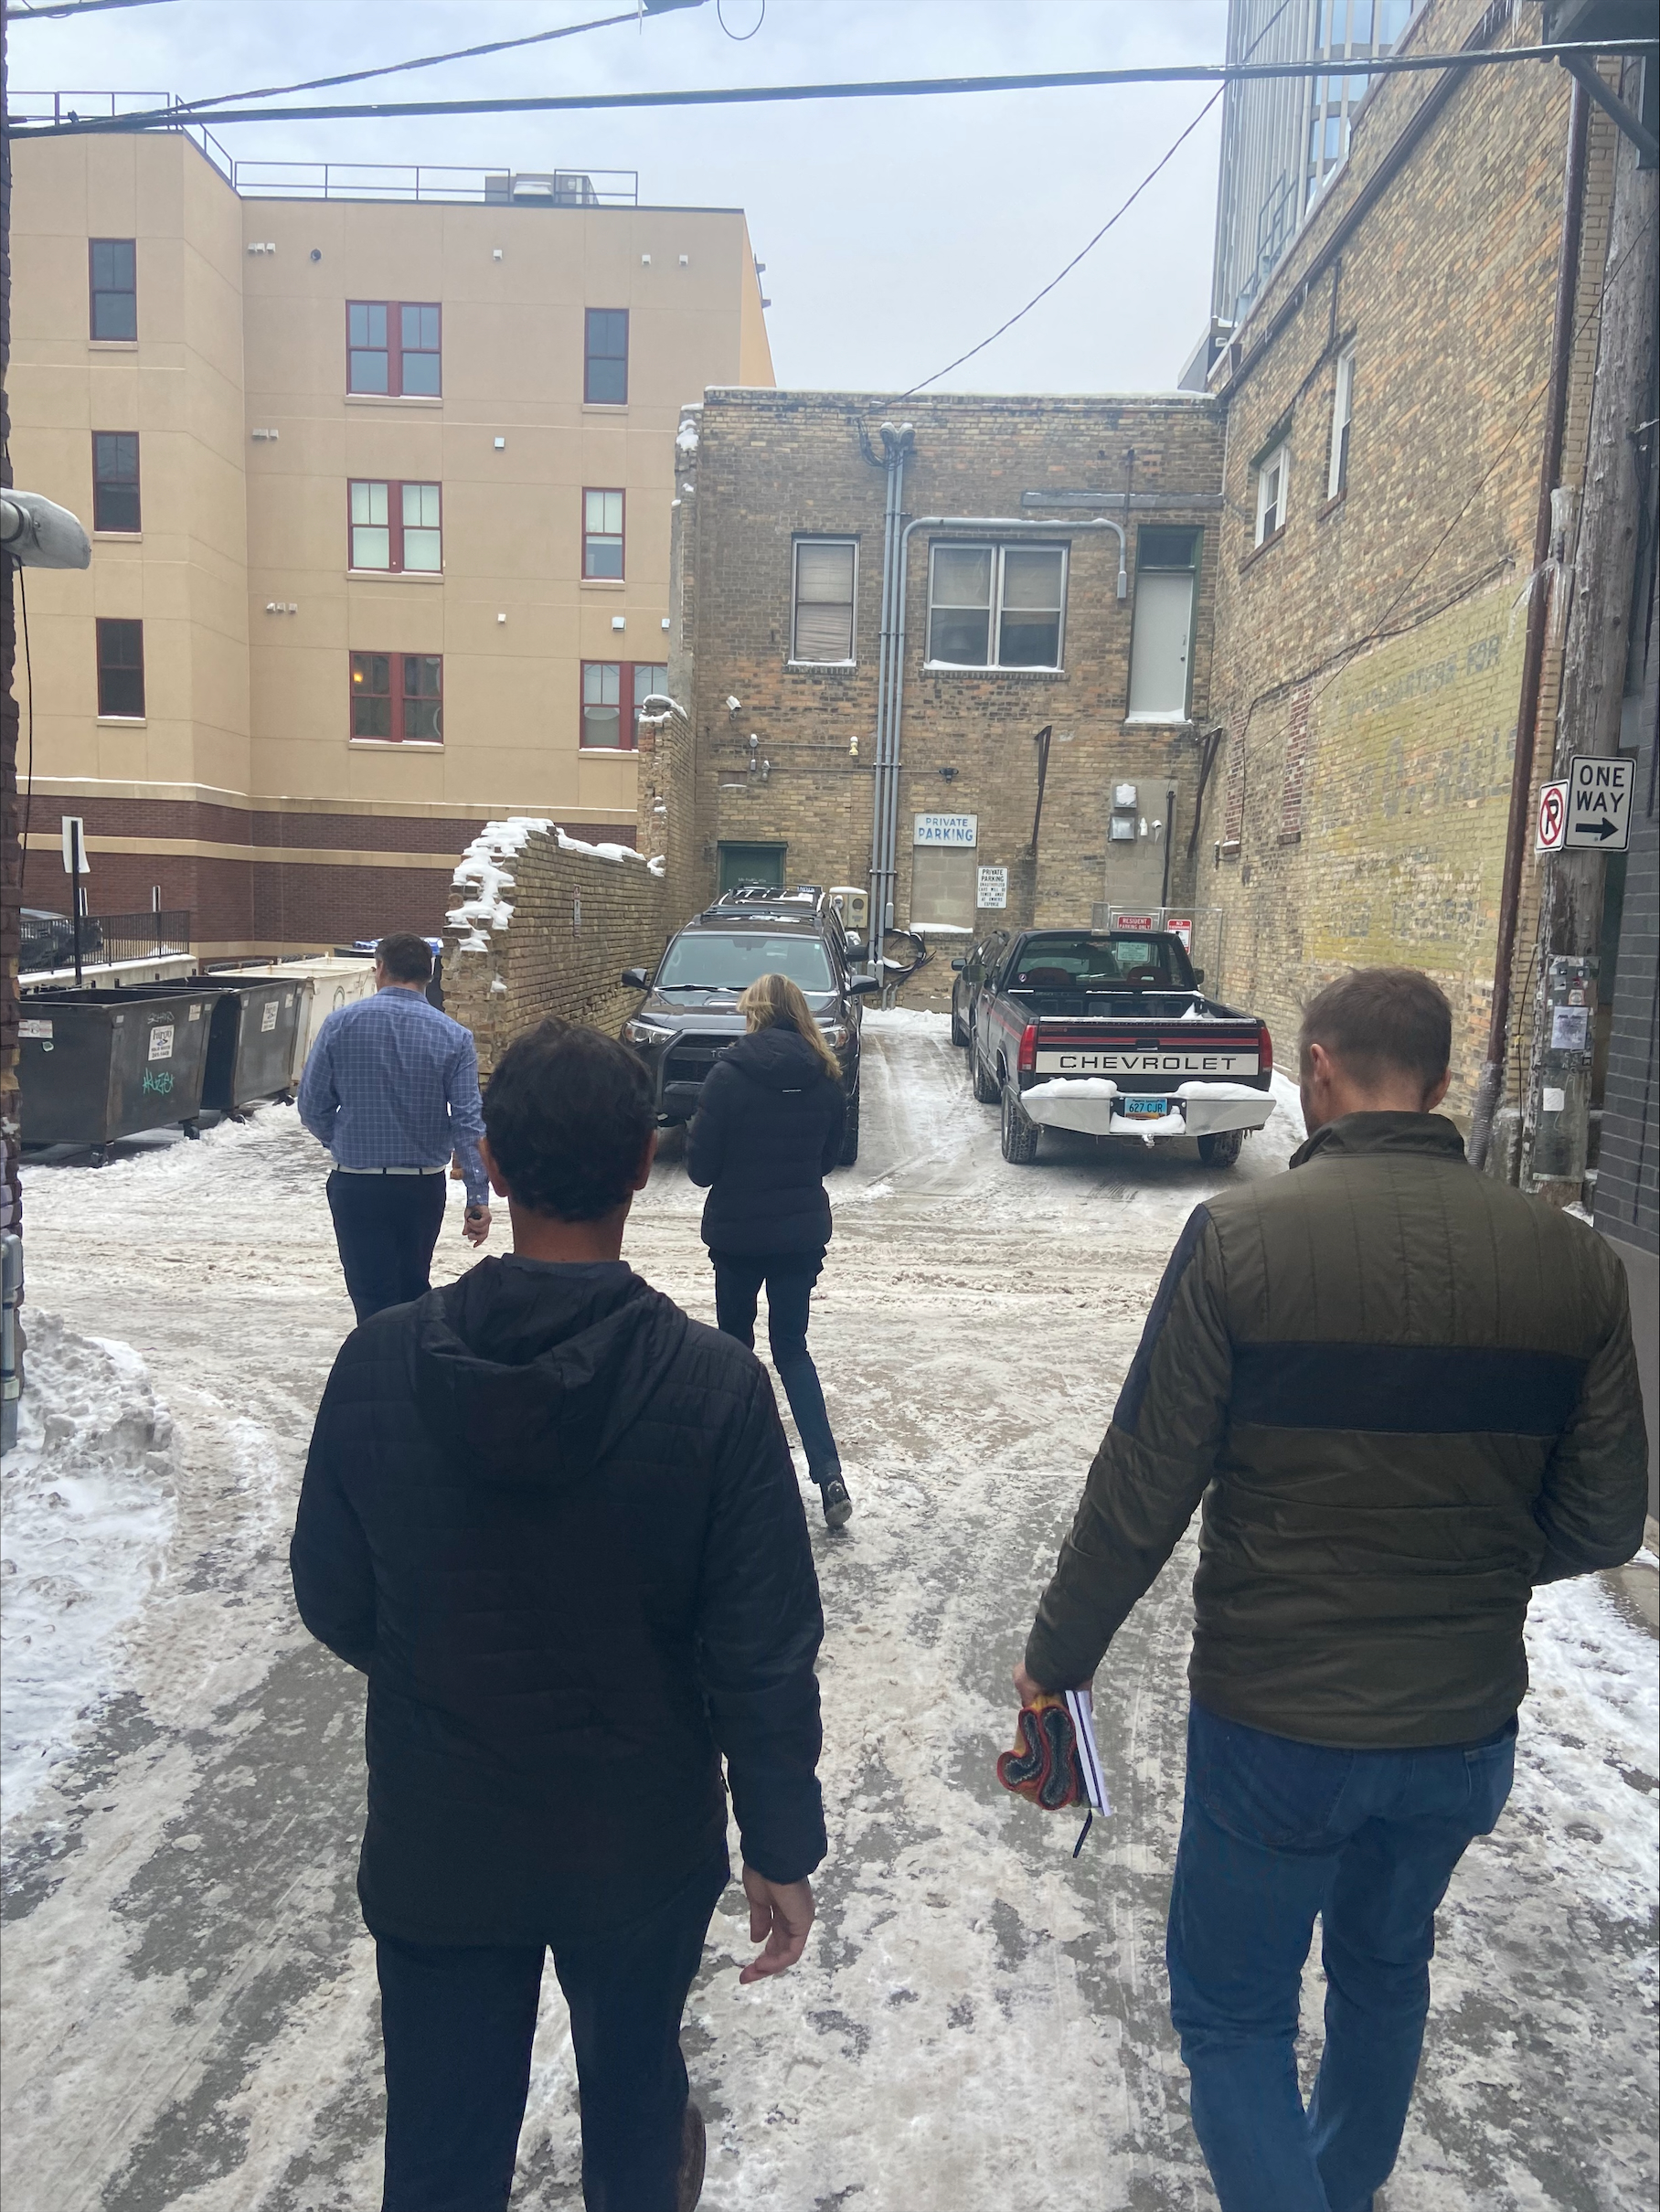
(49, 940)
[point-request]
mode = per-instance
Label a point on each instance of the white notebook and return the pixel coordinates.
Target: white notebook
(1089, 1758)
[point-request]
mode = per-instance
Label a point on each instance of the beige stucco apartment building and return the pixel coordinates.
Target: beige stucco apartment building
(379, 493)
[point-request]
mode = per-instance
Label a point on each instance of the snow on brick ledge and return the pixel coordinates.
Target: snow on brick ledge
(482, 875)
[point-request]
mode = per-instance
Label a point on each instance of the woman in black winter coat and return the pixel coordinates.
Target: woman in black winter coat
(767, 1130)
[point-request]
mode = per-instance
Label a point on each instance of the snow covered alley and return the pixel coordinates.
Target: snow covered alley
(980, 2021)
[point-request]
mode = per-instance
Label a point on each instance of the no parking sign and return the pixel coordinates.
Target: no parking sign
(1551, 823)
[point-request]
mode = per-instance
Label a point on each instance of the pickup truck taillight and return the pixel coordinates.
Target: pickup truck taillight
(1265, 1050)
(1027, 1062)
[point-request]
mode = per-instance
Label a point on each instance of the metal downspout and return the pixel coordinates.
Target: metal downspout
(1490, 1084)
(897, 441)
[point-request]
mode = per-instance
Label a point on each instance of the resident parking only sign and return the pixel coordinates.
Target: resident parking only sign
(1599, 803)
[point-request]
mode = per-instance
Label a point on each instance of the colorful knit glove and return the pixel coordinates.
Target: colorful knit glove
(1050, 1764)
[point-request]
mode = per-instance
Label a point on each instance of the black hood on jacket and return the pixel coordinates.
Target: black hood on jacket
(778, 1057)
(529, 1371)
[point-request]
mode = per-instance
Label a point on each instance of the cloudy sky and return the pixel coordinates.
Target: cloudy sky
(896, 232)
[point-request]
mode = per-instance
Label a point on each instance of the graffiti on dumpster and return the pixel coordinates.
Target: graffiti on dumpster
(159, 1081)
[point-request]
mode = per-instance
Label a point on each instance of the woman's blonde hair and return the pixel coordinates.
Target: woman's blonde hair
(774, 998)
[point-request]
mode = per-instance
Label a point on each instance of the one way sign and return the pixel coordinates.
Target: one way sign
(1598, 802)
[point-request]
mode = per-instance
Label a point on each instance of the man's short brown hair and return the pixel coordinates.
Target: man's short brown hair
(407, 959)
(1382, 1021)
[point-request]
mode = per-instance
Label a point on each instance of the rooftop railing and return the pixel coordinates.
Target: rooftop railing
(363, 180)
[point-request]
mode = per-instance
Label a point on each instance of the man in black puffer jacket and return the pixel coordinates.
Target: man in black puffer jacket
(556, 1524)
(767, 1131)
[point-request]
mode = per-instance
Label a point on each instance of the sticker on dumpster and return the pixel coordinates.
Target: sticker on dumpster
(268, 1020)
(161, 1041)
(34, 1028)
(196, 1014)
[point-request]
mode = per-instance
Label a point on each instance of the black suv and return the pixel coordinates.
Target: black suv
(690, 1017)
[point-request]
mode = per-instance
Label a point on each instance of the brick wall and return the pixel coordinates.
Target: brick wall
(761, 469)
(541, 924)
(1370, 655)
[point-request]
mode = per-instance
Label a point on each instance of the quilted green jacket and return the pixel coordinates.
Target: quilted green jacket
(1405, 1394)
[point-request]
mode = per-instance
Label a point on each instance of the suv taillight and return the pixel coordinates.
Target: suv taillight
(1027, 1062)
(1265, 1050)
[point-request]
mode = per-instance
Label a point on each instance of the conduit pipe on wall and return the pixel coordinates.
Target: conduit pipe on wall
(890, 678)
(897, 441)
(1490, 1084)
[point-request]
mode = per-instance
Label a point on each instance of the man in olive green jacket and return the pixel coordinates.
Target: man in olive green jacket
(1406, 1395)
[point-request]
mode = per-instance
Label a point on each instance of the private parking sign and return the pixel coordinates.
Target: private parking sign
(1599, 803)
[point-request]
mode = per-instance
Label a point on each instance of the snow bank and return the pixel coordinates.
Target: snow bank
(483, 873)
(87, 1515)
(908, 1018)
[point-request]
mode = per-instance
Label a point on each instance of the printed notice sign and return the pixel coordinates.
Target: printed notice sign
(161, 1041)
(947, 829)
(1570, 1028)
(1598, 802)
(993, 889)
(268, 1020)
(1181, 925)
(28, 1029)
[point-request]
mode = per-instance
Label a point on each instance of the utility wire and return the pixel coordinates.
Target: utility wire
(897, 88)
(1168, 155)
(393, 69)
(20, 13)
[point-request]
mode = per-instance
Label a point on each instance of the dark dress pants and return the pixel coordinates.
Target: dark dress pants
(458, 2024)
(789, 1278)
(386, 1228)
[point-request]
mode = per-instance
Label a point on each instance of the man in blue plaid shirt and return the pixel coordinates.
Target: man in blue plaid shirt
(391, 1088)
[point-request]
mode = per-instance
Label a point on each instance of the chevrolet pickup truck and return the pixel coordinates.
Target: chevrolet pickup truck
(1109, 1034)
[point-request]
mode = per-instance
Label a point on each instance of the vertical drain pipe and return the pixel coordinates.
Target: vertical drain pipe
(1489, 1088)
(896, 442)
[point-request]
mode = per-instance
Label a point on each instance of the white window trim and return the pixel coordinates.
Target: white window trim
(1343, 416)
(853, 613)
(1278, 458)
(997, 547)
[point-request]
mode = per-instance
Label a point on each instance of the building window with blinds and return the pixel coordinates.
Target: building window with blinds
(826, 571)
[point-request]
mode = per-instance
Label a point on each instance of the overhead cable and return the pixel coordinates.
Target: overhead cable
(897, 88)
(21, 13)
(422, 61)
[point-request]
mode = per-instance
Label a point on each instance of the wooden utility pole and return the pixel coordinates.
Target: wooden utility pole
(1556, 1121)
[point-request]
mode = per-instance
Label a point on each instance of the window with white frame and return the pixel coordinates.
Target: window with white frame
(1343, 414)
(396, 526)
(602, 534)
(826, 569)
(997, 606)
(1273, 483)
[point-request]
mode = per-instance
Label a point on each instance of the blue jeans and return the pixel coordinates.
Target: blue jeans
(1272, 1833)
(789, 1278)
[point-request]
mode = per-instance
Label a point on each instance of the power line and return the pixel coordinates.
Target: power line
(422, 61)
(1168, 155)
(1164, 158)
(899, 87)
(76, 8)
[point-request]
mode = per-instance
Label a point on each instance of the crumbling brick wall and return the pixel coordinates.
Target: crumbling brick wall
(543, 923)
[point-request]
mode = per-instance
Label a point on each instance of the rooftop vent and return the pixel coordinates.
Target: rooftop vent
(541, 188)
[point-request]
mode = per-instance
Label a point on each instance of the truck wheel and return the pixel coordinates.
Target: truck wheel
(1019, 1132)
(851, 1133)
(1223, 1148)
(959, 1034)
(986, 1084)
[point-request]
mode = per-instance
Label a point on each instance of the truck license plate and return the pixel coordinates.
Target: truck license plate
(1145, 1110)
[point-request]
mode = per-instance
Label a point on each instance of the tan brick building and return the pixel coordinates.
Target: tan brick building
(379, 489)
(1385, 399)
(1012, 626)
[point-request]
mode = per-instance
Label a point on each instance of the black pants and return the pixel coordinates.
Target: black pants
(386, 1227)
(789, 1278)
(458, 2024)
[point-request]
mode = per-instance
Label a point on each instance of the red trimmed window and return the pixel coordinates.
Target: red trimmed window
(395, 526)
(121, 669)
(397, 697)
(113, 283)
(602, 534)
(393, 348)
(115, 480)
(613, 694)
(605, 364)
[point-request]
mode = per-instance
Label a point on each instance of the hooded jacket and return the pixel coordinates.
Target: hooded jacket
(767, 1131)
(556, 1524)
(1406, 1394)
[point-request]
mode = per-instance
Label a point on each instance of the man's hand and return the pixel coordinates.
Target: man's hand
(1029, 1691)
(475, 1224)
(781, 1913)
